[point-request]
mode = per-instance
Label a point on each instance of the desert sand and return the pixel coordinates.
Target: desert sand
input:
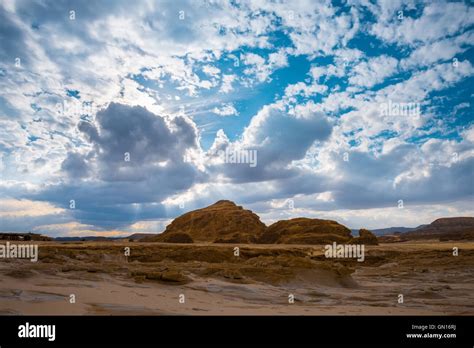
(152, 280)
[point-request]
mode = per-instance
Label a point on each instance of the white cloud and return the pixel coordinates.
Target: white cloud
(227, 81)
(211, 70)
(438, 20)
(445, 49)
(261, 68)
(307, 90)
(373, 71)
(225, 110)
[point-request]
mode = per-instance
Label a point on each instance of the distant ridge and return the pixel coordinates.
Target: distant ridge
(132, 237)
(86, 238)
(443, 229)
(392, 230)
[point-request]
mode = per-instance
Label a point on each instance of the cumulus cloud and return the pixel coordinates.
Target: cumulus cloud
(262, 68)
(373, 71)
(136, 160)
(277, 138)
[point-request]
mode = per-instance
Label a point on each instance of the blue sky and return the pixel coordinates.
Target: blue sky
(314, 88)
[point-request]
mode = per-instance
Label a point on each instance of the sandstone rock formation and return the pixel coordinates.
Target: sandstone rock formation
(305, 231)
(365, 237)
(222, 222)
(177, 238)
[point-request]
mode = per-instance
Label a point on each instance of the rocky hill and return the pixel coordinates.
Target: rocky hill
(305, 231)
(222, 222)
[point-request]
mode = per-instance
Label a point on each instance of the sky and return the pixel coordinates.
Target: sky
(118, 116)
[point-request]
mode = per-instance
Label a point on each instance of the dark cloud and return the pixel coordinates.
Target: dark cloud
(132, 144)
(26, 223)
(75, 166)
(110, 191)
(12, 41)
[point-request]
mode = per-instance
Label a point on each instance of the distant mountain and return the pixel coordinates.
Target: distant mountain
(85, 239)
(455, 228)
(134, 237)
(392, 230)
(443, 229)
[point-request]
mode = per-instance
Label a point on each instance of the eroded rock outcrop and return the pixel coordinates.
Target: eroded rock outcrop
(366, 237)
(221, 222)
(305, 231)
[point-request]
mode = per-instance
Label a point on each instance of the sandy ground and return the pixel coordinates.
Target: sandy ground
(257, 282)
